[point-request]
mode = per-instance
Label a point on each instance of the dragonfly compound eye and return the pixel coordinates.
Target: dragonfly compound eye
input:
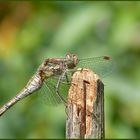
(75, 60)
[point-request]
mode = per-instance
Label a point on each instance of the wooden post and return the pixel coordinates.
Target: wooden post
(85, 108)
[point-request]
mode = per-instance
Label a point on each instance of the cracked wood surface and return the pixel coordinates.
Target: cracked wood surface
(85, 106)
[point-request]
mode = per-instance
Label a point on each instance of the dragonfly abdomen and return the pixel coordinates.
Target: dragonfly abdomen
(33, 85)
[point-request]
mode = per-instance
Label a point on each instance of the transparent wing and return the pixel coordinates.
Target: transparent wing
(101, 65)
(48, 94)
(48, 90)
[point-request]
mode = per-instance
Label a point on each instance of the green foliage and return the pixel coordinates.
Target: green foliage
(33, 31)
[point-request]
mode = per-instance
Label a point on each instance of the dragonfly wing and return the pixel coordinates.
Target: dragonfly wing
(100, 65)
(48, 93)
(49, 90)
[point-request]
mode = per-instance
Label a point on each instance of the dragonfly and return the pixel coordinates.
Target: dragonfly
(55, 74)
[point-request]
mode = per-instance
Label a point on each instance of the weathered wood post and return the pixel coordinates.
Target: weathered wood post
(85, 110)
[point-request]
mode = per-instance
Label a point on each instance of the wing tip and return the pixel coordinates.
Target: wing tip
(107, 57)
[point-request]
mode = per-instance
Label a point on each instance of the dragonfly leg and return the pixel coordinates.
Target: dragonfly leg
(58, 87)
(67, 79)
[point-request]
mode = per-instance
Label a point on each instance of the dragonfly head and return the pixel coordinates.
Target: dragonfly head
(71, 60)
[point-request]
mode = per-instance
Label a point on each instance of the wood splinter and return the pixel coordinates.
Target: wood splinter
(85, 106)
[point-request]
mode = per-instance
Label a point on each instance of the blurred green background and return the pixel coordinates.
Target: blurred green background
(33, 31)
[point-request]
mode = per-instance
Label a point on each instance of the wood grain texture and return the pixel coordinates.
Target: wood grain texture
(85, 106)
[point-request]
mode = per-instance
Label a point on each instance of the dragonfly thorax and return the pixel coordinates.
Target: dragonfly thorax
(71, 60)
